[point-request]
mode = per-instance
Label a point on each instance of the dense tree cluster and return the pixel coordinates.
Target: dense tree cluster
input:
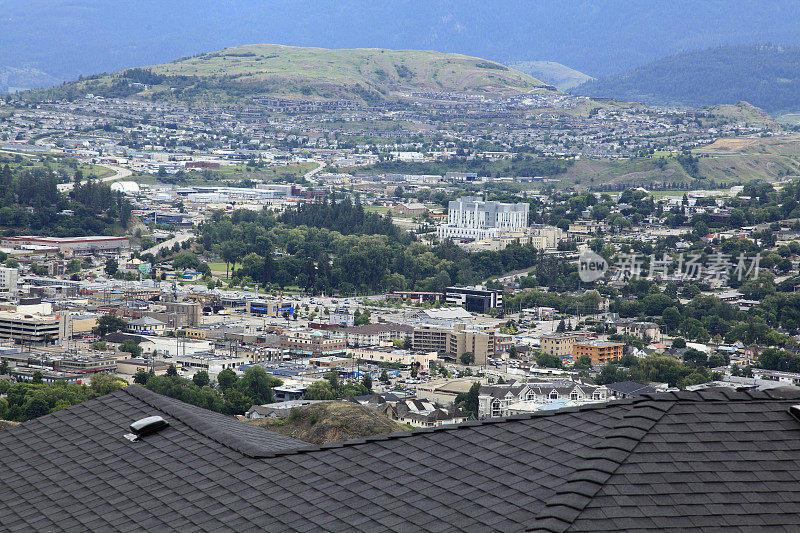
(518, 166)
(655, 368)
(234, 395)
(332, 388)
(28, 400)
(289, 252)
(30, 200)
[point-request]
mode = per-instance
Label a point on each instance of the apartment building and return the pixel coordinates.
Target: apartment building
(392, 355)
(375, 334)
(311, 343)
(600, 351)
(559, 344)
(9, 281)
(455, 341)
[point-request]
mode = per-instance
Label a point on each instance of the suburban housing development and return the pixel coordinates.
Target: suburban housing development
(285, 288)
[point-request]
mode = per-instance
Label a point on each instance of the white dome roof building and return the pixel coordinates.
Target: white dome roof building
(126, 187)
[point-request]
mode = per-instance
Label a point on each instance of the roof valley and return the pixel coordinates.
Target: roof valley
(572, 497)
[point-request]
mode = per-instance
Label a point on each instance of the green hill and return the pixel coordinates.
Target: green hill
(766, 76)
(362, 74)
(331, 422)
(556, 74)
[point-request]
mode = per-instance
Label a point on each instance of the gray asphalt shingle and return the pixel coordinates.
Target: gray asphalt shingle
(681, 460)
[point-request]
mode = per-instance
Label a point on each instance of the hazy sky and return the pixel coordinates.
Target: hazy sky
(70, 37)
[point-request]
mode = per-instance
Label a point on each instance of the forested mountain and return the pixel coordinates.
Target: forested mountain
(764, 75)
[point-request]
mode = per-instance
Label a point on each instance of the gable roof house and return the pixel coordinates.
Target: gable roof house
(673, 461)
(503, 400)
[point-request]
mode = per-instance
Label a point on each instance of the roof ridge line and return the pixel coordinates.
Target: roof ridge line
(560, 512)
(184, 412)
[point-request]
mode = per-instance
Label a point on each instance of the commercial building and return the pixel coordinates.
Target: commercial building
(269, 308)
(213, 364)
(308, 343)
(129, 367)
(600, 351)
(75, 245)
(470, 217)
(146, 326)
(446, 316)
(474, 299)
(81, 325)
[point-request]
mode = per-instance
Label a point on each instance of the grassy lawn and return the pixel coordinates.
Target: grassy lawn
(237, 172)
(377, 209)
(217, 268)
(661, 194)
(56, 164)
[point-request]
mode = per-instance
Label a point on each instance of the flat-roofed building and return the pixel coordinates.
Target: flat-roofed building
(600, 352)
(76, 245)
(188, 312)
(9, 283)
(559, 344)
(129, 367)
(387, 354)
(27, 328)
(311, 343)
(455, 341)
(474, 299)
(375, 334)
(271, 308)
(213, 364)
(470, 217)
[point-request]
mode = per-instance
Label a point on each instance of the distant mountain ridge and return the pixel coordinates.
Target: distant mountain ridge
(766, 76)
(14, 79)
(290, 72)
(556, 74)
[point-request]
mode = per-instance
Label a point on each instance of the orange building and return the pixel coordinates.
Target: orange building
(600, 351)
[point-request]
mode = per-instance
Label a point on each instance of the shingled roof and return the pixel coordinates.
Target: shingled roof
(711, 458)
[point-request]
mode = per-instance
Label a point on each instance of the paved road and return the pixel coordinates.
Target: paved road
(179, 238)
(311, 173)
(119, 173)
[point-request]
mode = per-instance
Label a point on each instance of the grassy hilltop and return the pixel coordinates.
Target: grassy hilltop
(363, 74)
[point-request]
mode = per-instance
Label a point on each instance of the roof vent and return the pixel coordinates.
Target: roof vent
(146, 426)
(794, 410)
